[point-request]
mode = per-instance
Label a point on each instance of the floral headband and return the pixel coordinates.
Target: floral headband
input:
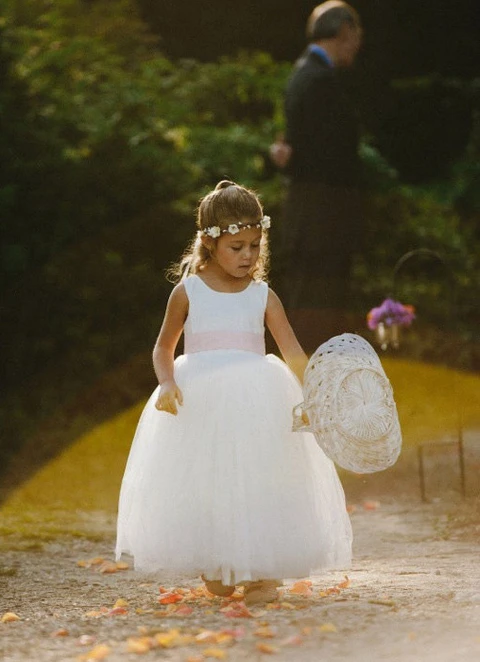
(215, 231)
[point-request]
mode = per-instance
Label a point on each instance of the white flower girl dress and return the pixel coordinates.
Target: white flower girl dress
(225, 488)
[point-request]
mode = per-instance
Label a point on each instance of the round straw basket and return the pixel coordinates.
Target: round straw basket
(349, 405)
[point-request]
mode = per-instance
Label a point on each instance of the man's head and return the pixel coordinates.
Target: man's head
(336, 26)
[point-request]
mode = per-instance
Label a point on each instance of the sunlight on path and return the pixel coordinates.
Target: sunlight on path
(87, 475)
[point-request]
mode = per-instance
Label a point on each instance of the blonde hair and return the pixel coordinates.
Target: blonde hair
(228, 203)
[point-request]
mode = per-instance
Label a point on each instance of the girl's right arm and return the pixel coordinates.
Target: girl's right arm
(164, 350)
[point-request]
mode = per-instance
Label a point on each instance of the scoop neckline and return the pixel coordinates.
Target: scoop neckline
(218, 291)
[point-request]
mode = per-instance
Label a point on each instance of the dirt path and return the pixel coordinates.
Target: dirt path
(414, 595)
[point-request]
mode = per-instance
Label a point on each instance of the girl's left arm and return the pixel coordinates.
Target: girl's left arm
(283, 334)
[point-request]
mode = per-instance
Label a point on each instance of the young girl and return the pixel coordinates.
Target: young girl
(217, 485)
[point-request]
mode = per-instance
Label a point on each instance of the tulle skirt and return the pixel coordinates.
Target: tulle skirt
(225, 488)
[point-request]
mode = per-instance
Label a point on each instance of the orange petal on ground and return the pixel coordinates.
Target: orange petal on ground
(10, 617)
(122, 565)
(100, 652)
(108, 568)
(167, 639)
(236, 610)
(236, 633)
(170, 598)
(333, 590)
(345, 583)
(301, 588)
(371, 505)
(120, 603)
(95, 561)
(118, 611)
(60, 633)
(266, 648)
(140, 644)
(265, 632)
(206, 637)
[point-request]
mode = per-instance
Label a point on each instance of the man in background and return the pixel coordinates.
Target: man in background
(322, 224)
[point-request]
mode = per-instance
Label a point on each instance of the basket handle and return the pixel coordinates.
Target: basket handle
(301, 421)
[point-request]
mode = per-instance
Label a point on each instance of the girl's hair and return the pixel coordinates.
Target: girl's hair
(228, 203)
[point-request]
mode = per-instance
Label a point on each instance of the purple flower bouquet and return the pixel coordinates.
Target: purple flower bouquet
(390, 313)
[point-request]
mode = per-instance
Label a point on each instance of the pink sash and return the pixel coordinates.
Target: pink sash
(209, 340)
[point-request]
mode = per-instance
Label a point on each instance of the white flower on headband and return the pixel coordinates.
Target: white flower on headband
(214, 231)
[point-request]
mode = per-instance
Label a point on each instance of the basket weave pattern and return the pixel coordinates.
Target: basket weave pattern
(348, 401)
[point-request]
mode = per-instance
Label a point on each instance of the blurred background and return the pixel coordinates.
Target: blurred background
(117, 115)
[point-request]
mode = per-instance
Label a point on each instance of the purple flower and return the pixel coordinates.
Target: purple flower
(391, 312)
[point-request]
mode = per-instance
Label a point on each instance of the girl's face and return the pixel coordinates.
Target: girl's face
(238, 253)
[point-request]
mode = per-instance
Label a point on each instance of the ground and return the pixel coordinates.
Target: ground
(412, 593)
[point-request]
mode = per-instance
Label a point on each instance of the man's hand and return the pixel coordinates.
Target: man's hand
(280, 152)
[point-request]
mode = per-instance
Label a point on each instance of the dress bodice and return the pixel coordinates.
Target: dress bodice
(225, 320)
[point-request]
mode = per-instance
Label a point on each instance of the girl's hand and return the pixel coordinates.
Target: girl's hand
(168, 397)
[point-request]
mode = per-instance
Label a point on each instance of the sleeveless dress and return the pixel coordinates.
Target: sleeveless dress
(225, 488)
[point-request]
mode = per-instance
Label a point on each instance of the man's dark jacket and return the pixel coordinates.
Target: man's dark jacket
(322, 126)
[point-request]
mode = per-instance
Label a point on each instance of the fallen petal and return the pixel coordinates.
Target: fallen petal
(301, 588)
(100, 652)
(139, 645)
(327, 627)
(265, 632)
(10, 617)
(206, 637)
(266, 648)
(108, 568)
(169, 598)
(345, 583)
(167, 639)
(118, 611)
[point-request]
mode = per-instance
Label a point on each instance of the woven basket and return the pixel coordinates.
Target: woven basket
(349, 405)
